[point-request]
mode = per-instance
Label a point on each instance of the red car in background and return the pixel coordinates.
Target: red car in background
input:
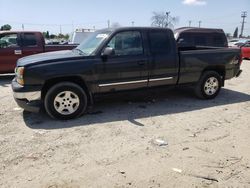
(245, 51)
(18, 44)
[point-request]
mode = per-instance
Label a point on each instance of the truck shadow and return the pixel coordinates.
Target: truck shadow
(5, 79)
(131, 107)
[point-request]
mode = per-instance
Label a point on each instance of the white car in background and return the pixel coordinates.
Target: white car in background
(80, 35)
(237, 42)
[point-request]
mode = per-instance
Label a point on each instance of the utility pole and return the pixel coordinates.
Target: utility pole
(23, 27)
(72, 25)
(243, 16)
(60, 29)
(200, 24)
(189, 23)
(167, 13)
(108, 23)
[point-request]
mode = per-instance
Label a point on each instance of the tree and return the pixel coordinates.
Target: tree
(60, 36)
(66, 36)
(162, 19)
(236, 33)
(5, 27)
(52, 36)
(47, 35)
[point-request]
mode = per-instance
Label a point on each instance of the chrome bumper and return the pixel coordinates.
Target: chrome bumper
(30, 96)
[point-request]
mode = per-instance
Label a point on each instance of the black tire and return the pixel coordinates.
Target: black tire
(210, 92)
(59, 91)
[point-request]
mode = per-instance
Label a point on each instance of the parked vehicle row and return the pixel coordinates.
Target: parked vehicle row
(15, 45)
(116, 60)
(238, 42)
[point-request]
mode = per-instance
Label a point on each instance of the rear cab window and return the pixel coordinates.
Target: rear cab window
(29, 40)
(200, 39)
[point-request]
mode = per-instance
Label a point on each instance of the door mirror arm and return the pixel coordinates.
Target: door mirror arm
(108, 51)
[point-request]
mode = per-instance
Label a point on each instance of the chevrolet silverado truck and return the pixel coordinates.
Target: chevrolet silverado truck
(110, 60)
(17, 44)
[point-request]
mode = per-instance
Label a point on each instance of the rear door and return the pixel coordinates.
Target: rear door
(163, 58)
(127, 67)
(10, 51)
(32, 44)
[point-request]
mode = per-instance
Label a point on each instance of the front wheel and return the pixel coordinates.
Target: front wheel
(65, 100)
(209, 85)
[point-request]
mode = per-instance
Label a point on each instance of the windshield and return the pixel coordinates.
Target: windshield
(88, 46)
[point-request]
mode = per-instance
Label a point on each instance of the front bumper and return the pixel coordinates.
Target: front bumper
(28, 98)
(32, 106)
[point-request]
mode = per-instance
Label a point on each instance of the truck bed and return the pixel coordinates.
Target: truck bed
(194, 61)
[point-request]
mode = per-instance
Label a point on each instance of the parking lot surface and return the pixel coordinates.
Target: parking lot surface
(160, 139)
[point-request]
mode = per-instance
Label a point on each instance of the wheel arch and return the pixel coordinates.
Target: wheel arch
(220, 69)
(74, 79)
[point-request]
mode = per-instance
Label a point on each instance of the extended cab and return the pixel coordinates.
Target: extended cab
(114, 60)
(17, 44)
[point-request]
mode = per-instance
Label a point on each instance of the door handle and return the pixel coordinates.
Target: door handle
(18, 52)
(143, 62)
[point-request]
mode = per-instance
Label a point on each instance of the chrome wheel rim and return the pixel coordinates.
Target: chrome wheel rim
(211, 86)
(66, 102)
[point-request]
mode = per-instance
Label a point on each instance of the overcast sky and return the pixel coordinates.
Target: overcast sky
(46, 15)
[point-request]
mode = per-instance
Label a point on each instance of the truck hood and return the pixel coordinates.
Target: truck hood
(48, 56)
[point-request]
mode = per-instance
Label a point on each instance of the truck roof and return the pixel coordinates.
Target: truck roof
(197, 29)
(1, 32)
(133, 28)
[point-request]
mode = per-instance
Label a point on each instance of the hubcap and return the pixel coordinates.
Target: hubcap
(211, 86)
(66, 102)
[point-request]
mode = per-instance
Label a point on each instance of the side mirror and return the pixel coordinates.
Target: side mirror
(180, 41)
(108, 51)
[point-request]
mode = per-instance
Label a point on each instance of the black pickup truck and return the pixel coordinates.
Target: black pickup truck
(118, 59)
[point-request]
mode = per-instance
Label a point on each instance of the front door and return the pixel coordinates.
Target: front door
(10, 52)
(127, 67)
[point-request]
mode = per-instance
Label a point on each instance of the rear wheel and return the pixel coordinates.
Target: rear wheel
(65, 100)
(209, 85)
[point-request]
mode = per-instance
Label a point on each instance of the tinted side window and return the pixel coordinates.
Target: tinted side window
(127, 43)
(29, 39)
(160, 42)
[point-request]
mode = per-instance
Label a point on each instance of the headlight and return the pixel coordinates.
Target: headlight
(19, 75)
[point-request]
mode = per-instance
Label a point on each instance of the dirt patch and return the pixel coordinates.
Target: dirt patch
(159, 139)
